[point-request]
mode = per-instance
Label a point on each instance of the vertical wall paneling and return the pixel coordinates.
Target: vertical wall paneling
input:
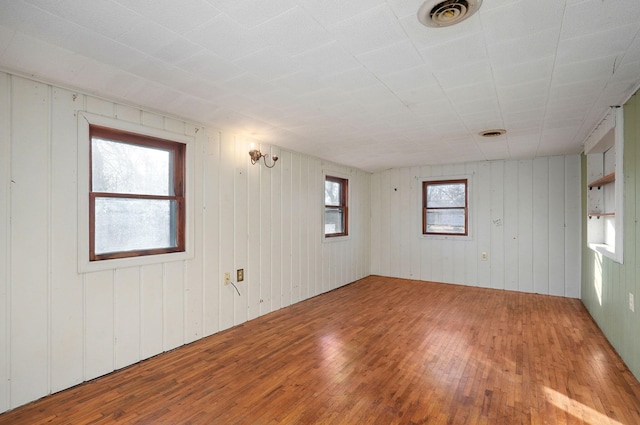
(511, 201)
(541, 216)
(395, 225)
(253, 271)
(5, 239)
(286, 214)
(226, 201)
(30, 152)
(304, 200)
(376, 218)
(61, 326)
(384, 225)
(555, 236)
(265, 240)
(276, 235)
(211, 228)
(241, 229)
(483, 222)
(606, 284)
(471, 254)
(511, 226)
(425, 244)
(525, 226)
(151, 310)
(573, 227)
(497, 225)
(296, 230)
(99, 324)
(195, 299)
(127, 316)
(173, 305)
(66, 284)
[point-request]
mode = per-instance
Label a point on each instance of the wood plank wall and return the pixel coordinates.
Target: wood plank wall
(606, 285)
(525, 215)
(59, 327)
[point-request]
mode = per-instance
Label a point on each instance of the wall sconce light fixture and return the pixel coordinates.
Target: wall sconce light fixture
(255, 155)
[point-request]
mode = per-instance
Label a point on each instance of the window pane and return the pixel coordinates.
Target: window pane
(332, 195)
(446, 195)
(333, 220)
(133, 224)
(445, 221)
(124, 168)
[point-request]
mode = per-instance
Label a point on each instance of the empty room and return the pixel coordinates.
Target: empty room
(319, 212)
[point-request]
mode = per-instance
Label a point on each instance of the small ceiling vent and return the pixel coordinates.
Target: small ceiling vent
(443, 13)
(495, 132)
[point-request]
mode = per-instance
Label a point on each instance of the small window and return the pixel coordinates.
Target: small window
(445, 207)
(336, 213)
(136, 195)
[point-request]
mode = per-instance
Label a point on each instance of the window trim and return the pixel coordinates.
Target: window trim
(468, 236)
(346, 194)
(178, 172)
(85, 120)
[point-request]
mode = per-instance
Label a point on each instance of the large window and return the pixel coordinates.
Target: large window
(136, 197)
(445, 207)
(336, 213)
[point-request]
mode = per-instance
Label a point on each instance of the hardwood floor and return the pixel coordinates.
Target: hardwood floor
(378, 351)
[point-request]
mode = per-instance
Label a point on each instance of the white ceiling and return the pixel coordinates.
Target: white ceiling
(358, 82)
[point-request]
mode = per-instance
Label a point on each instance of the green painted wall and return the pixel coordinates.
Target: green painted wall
(606, 284)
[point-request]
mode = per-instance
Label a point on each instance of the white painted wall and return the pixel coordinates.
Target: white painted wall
(525, 214)
(59, 327)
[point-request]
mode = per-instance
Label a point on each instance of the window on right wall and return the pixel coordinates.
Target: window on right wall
(445, 207)
(605, 196)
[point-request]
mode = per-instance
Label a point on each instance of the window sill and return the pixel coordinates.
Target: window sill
(446, 237)
(330, 239)
(606, 250)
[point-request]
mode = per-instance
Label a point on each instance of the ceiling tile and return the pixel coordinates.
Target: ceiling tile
(406, 79)
(596, 45)
(268, 64)
(102, 16)
(226, 38)
(521, 19)
(391, 58)
(328, 12)
(327, 60)
(594, 16)
(209, 66)
(371, 30)
(250, 13)
(178, 17)
(294, 31)
(448, 55)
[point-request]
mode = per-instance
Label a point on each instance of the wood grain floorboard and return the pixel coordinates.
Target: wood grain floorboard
(378, 351)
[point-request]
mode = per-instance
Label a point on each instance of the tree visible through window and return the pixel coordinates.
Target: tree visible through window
(336, 218)
(445, 207)
(136, 199)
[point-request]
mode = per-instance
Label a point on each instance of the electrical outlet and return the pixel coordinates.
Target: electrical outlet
(484, 256)
(632, 305)
(239, 275)
(227, 278)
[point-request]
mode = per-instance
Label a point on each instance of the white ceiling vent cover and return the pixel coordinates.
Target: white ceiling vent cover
(443, 13)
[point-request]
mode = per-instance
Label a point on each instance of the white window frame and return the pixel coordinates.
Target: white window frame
(85, 120)
(609, 133)
(471, 204)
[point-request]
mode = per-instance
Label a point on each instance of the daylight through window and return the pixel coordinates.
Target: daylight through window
(136, 199)
(445, 207)
(336, 217)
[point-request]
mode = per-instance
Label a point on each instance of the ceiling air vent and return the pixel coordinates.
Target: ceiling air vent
(493, 132)
(439, 13)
